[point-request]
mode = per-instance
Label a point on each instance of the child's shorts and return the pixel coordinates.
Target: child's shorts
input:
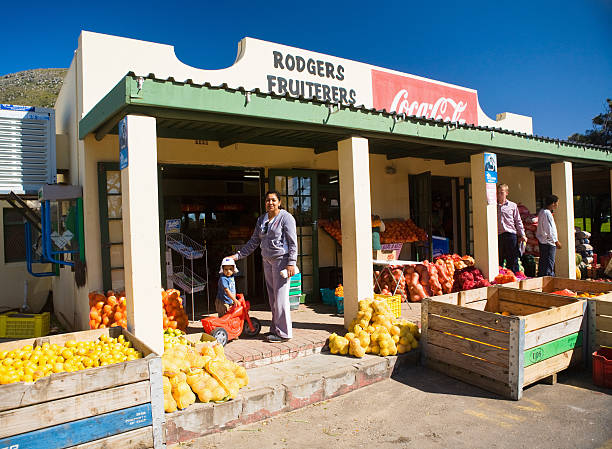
(221, 307)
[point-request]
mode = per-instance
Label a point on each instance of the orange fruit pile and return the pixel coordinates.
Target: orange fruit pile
(107, 311)
(175, 316)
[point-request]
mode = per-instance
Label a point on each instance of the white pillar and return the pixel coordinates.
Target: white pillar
(563, 187)
(485, 221)
(141, 233)
(355, 212)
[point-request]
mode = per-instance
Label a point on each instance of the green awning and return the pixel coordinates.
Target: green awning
(192, 111)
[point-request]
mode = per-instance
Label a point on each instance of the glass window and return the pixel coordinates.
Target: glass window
(304, 186)
(116, 255)
(113, 182)
(115, 231)
(280, 184)
(114, 206)
(14, 236)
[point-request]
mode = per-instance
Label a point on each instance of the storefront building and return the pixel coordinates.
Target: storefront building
(337, 138)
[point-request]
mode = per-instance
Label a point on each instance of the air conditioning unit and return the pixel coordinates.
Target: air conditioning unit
(27, 148)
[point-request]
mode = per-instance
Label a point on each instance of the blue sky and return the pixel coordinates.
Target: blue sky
(550, 60)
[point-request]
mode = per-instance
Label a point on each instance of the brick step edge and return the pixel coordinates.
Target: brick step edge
(282, 356)
(263, 403)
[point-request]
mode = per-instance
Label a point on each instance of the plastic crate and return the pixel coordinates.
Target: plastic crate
(296, 280)
(294, 302)
(328, 297)
(339, 304)
(295, 291)
(602, 367)
(24, 325)
(395, 303)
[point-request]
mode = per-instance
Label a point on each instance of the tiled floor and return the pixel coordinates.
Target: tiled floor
(312, 325)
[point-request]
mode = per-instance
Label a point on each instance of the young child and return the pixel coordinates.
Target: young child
(226, 287)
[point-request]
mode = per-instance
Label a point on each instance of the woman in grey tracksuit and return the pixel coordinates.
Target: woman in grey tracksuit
(275, 234)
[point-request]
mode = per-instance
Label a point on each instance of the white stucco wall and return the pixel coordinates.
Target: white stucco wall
(521, 185)
(107, 58)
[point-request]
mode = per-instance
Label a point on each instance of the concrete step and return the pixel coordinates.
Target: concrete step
(283, 387)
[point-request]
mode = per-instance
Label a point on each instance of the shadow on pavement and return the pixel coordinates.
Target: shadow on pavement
(581, 378)
(429, 381)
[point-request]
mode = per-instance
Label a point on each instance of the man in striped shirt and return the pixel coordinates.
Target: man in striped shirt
(509, 229)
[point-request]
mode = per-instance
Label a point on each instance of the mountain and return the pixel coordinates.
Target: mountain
(38, 87)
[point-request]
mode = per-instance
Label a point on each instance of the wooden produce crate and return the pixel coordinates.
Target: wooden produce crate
(118, 405)
(549, 284)
(463, 336)
(600, 322)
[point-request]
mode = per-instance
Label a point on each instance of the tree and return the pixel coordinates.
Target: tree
(601, 134)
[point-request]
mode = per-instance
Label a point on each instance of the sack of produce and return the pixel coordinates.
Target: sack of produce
(583, 235)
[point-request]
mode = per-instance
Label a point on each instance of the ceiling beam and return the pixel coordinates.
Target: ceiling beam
(325, 149)
(241, 137)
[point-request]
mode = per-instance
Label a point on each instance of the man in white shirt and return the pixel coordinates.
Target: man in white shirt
(547, 236)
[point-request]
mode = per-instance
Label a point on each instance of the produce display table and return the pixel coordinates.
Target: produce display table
(387, 266)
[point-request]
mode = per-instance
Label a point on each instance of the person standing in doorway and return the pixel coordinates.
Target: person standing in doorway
(509, 229)
(547, 236)
(275, 234)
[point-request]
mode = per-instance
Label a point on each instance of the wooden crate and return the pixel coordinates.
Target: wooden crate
(463, 336)
(600, 323)
(118, 405)
(549, 284)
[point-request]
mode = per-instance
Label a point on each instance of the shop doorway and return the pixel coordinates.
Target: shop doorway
(218, 208)
(436, 204)
(299, 194)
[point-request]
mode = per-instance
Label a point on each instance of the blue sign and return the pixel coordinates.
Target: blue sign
(490, 166)
(173, 226)
(13, 107)
(123, 144)
(84, 430)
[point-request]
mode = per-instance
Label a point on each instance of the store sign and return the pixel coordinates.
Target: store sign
(123, 144)
(490, 170)
(302, 75)
(173, 226)
(414, 96)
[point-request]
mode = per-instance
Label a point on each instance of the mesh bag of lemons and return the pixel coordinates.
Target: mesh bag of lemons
(29, 363)
(203, 374)
(375, 330)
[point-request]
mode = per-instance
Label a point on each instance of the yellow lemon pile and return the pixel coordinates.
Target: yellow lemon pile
(29, 363)
(376, 331)
(174, 337)
(205, 374)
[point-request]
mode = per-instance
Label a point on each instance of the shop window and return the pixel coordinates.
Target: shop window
(14, 236)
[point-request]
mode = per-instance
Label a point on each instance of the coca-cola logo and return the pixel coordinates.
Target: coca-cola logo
(412, 96)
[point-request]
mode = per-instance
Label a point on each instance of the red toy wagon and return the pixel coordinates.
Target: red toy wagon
(232, 325)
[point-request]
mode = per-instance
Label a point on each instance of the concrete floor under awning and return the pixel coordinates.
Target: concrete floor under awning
(312, 325)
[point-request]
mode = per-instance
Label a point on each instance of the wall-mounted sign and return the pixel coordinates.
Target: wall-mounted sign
(173, 226)
(301, 75)
(490, 170)
(123, 144)
(423, 98)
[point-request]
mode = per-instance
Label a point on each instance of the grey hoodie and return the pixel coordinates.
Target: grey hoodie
(280, 239)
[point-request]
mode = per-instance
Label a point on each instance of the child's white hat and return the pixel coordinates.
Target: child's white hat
(228, 261)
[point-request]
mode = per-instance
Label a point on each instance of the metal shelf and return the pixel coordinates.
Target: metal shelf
(185, 246)
(187, 280)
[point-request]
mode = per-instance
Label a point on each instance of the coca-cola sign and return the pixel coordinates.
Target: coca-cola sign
(413, 96)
